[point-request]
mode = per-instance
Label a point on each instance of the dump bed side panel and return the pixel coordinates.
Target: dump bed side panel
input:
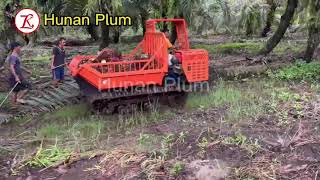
(155, 44)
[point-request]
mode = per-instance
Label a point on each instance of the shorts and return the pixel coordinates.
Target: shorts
(24, 85)
(58, 73)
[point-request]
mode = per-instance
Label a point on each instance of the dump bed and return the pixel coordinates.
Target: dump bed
(146, 65)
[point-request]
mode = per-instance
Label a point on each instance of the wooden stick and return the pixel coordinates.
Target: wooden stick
(60, 66)
(9, 94)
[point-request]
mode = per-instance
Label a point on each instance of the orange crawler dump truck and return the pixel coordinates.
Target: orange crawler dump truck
(113, 82)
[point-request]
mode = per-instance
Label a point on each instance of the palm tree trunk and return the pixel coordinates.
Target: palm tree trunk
(144, 16)
(174, 34)
(143, 24)
(116, 35)
(3, 53)
(105, 39)
(26, 39)
(164, 12)
(45, 31)
(165, 25)
(33, 39)
(313, 42)
(284, 24)
(314, 34)
(92, 30)
(270, 18)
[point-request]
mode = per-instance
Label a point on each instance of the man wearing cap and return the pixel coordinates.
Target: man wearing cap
(16, 80)
(58, 62)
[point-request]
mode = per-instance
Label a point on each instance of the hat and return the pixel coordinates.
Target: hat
(13, 45)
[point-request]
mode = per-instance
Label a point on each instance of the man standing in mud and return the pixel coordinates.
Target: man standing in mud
(16, 80)
(58, 62)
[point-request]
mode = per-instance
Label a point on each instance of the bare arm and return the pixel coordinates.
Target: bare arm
(13, 71)
(52, 62)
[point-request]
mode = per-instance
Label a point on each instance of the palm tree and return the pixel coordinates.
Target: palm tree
(8, 8)
(139, 10)
(182, 9)
(89, 8)
(270, 18)
(314, 29)
(251, 18)
(284, 24)
(82, 7)
(111, 7)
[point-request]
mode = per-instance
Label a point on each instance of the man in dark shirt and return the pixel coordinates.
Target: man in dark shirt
(16, 80)
(58, 62)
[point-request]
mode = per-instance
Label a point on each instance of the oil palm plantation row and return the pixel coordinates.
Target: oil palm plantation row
(247, 17)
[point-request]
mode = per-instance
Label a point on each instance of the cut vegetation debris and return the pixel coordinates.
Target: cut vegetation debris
(48, 157)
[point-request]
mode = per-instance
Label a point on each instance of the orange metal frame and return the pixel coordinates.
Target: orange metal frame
(142, 72)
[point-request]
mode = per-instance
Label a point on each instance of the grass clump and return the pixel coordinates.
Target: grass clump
(177, 169)
(2, 97)
(239, 139)
(48, 157)
(222, 95)
(300, 72)
(245, 109)
(142, 119)
(287, 47)
(252, 146)
(51, 131)
(285, 95)
(70, 112)
(315, 87)
(90, 130)
(231, 48)
(147, 139)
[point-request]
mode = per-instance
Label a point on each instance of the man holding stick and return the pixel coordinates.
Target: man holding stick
(58, 62)
(18, 84)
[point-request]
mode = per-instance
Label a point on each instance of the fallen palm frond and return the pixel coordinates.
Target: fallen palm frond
(4, 118)
(46, 99)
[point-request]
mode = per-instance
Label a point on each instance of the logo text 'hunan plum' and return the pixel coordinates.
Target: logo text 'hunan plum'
(53, 20)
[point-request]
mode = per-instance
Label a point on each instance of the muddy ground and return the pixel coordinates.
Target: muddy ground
(254, 128)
